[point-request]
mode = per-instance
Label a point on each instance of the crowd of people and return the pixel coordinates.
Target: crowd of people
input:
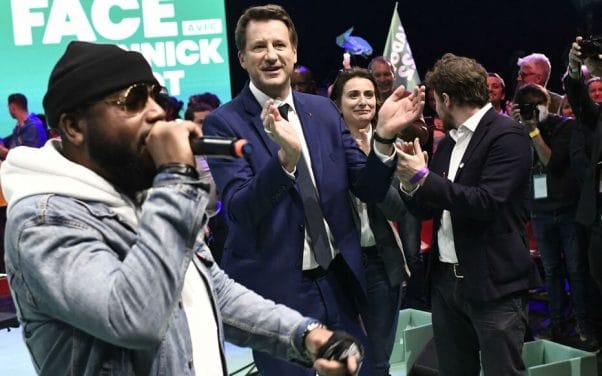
(128, 253)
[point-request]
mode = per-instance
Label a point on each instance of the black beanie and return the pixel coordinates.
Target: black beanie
(89, 71)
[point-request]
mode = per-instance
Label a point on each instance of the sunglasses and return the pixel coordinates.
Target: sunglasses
(135, 97)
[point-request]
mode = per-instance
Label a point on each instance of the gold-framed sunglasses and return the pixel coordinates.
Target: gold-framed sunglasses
(135, 97)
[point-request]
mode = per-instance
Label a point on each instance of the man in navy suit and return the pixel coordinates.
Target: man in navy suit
(268, 248)
(477, 190)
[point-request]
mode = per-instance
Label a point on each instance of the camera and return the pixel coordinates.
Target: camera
(591, 47)
(528, 110)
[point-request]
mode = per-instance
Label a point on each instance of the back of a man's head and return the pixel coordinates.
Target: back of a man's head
(263, 13)
(18, 100)
(207, 98)
(463, 79)
(90, 71)
(532, 94)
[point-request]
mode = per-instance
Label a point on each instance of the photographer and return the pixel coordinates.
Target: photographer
(553, 208)
(588, 52)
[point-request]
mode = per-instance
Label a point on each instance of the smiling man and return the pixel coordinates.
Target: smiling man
(291, 232)
(383, 73)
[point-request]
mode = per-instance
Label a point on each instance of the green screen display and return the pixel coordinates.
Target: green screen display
(184, 41)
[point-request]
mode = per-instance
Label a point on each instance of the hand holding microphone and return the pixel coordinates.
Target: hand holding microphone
(211, 146)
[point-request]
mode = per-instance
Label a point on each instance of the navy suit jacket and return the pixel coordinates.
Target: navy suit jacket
(266, 229)
(488, 203)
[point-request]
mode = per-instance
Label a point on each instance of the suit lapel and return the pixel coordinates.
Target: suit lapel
(312, 137)
(254, 110)
(476, 139)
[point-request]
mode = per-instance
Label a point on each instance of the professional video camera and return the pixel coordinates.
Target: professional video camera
(591, 47)
(528, 110)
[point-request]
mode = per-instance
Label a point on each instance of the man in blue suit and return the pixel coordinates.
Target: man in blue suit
(268, 247)
(476, 189)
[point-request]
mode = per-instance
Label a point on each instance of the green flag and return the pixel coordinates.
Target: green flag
(397, 50)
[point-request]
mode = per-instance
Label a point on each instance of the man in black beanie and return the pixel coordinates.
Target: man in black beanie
(107, 282)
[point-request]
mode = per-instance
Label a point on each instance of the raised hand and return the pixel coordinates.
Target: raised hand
(399, 112)
(410, 160)
(575, 58)
(169, 141)
(282, 133)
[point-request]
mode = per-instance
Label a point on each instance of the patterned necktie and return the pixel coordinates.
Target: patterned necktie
(314, 219)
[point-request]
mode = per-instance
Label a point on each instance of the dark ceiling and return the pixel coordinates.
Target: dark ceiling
(495, 33)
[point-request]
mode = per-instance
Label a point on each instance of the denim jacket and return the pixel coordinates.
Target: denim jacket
(99, 296)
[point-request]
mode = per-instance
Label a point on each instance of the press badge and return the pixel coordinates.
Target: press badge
(540, 186)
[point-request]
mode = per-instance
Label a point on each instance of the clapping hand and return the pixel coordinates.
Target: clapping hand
(411, 158)
(399, 112)
(282, 133)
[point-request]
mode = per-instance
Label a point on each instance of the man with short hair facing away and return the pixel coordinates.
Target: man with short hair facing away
(109, 280)
(291, 232)
(476, 189)
(535, 69)
(29, 130)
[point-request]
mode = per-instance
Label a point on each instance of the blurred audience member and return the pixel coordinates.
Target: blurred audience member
(497, 92)
(594, 88)
(303, 80)
(29, 130)
(565, 108)
(535, 69)
(208, 98)
(173, 108)
(383, 73)
(197, 112)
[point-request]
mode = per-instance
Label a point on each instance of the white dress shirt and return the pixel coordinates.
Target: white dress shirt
(462, 136)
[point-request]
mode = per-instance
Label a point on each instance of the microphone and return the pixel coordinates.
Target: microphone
(221, 147)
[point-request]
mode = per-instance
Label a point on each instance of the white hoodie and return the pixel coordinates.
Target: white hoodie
(31, 171)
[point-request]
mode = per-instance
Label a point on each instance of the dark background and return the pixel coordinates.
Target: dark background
(495, 33)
